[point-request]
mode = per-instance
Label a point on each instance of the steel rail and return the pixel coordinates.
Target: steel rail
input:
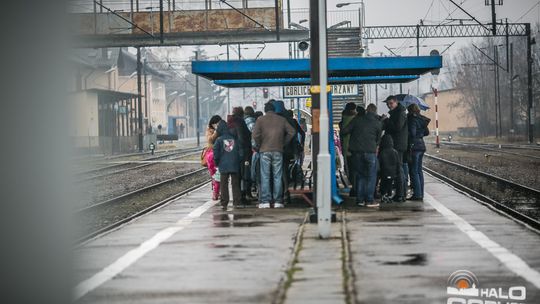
(515, 186)
(138, 191)
(487, 201)
(493, 149)
(127, 164)
(132, 168)
(100, 232)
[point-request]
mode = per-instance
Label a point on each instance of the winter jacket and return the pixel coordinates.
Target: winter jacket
(227, 153)
(295, 146)
(250, 123)
(365, 133)
(238, 128)
(418, 129)
(396, 126)
(272, 133)
(388, 158)
(345, 121)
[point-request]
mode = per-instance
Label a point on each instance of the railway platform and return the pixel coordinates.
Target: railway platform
(192, 251)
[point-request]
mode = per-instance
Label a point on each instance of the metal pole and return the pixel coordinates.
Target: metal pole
(277, 19)
(139, 100)
(197, 110)
(418, 54)
(289, 25)
(323, 159)
(437, 139)
(314, 74)
(498, 123)
(495, 68)
(145, 85)
(530, 106)
(161, 21)
(511, 69)
(493, 18)
(228, 90)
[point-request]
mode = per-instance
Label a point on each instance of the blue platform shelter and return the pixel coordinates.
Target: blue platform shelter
(342, 70)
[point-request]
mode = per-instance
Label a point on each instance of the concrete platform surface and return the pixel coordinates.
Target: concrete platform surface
(191, 251)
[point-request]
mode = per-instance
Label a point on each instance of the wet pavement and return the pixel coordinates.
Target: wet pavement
(191, 251)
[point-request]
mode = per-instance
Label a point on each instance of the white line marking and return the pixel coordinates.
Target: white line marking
(510, 260)
(133, 255)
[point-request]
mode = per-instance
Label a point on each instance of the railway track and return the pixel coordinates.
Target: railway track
(123, 167)
(517, 201)
(102, 217)
(497, 149)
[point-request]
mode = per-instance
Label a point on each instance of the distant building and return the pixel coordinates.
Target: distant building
(104, 95)
(452, 119)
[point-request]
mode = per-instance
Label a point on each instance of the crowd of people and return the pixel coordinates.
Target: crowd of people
(385, 151)
(255, 153)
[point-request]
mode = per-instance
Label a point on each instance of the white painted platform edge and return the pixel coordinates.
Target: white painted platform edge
(505, 256)
(134, 255)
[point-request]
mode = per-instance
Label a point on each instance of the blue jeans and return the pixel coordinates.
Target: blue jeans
(271, 175)
(366, 174)
(417, 175)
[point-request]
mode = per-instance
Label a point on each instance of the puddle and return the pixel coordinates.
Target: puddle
(414, 259)
(383, 219)
(213, 245)
(401, 239)
(226, 224)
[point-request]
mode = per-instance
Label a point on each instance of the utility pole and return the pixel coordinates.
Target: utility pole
(319, 88)
(139, 100)
(498, 87)
(161, 28)
(418, 54)
(530, 106)
(228, 90)
(315, 101)
(197, 106)
(145, 85)
(511, 70)
(493, 18)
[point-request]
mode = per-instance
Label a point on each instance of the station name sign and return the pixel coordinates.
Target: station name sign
(303, 90)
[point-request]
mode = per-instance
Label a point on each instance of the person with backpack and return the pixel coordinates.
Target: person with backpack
(208, 155)
(347, 116)
(418, 129)
(239, 129)
(227, 156)
(389, 163)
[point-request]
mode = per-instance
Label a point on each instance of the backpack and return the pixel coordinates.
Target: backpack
(203, 157)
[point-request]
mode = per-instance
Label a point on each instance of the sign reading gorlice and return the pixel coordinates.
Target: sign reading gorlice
(303, 90)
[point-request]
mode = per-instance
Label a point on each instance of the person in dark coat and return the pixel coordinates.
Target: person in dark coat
(396, 127)
(389, 161)
(347, 116)
(365, 134)
(418, 129)
(239, 129)
(227, 156)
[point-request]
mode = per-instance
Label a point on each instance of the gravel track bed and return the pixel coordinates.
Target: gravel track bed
(109, 214)
(518, 169)
(107, 187)
(91, 164)
(492, 189)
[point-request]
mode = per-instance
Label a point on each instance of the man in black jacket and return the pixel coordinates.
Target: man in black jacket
(365, 134)
(396, 126)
